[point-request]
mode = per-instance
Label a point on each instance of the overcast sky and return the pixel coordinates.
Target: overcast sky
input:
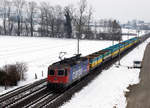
(122, 10)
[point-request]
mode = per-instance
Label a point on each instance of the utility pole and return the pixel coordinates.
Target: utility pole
(138, 33)
(112, 40)
(128, 33)
(78, 45)
(5, 84)
(119, 53)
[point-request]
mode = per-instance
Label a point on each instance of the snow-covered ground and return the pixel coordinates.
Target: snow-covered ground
(108, 89)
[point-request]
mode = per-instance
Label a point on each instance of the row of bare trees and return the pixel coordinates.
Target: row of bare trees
(111, 30)
(17, 17)
(23, 18)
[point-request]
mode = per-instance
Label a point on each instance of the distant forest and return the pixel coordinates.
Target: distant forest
(22, 18)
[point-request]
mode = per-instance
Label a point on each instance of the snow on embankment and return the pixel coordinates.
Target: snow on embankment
(108, 89)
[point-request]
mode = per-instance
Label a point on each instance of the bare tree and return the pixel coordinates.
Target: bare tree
(26, 24)
(19, 4)
(88, 33)
(12, 73)
(42, 27)
(68, 12)
(80, 21)
(31, 12)
(44, 9)
(21, 69)
(95, 30)
(116, 30)
(10, 19)
(51, 21)
(59, 21)
(4, 7)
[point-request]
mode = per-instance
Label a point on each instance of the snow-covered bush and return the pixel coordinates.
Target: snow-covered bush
(3, 76)
(12, 73)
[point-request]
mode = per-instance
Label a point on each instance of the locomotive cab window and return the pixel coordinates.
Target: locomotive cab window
(51, 72)
(61, 72)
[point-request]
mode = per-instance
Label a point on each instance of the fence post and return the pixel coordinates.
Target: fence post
(5, 85)
(35, 76)
(42, 73)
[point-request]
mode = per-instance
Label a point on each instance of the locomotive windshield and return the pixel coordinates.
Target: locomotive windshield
(61, 72)
(51, 72)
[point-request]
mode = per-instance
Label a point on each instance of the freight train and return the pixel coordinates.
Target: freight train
(68, 71)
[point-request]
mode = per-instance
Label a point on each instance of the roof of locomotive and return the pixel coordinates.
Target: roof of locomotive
(67, 62)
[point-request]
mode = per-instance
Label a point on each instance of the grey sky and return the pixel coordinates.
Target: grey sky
(122, 10)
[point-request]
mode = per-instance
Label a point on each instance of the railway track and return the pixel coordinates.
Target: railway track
(39, 100)
(43, 101)
(28, 98)
(15, 95)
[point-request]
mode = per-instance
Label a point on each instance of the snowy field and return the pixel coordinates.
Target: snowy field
(108, 89)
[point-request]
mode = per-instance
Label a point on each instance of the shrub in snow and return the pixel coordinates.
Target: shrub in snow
(13, 73)
(21, 69)
(3, 77)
